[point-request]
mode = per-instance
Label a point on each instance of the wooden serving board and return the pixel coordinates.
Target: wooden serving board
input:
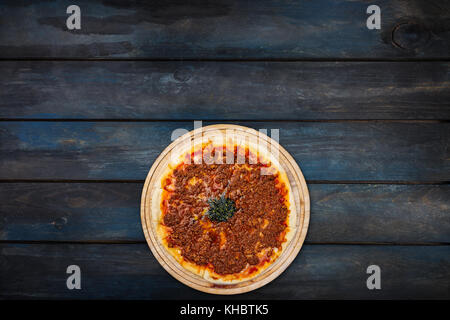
(299, 196)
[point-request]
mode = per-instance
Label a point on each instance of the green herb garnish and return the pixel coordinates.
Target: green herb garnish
(221, 209)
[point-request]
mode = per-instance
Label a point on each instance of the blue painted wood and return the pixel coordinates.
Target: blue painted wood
(226, 91)
(109, 212)
(131, 272)
(225, 29)
(415, 151)
(327, 151)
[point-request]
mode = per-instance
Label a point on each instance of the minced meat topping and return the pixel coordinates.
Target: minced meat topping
(248, 237)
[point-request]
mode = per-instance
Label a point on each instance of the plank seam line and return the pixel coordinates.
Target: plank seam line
(127, 242)
(231, 120)
(138, 181)
(265, 59)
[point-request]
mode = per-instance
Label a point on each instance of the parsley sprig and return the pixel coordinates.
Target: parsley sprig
(221, 209)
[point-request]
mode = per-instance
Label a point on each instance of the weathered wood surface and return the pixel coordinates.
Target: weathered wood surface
(326, 151)
(225, 29)
(358, 215)
(224, 90)
(131, 272)
(109, 212)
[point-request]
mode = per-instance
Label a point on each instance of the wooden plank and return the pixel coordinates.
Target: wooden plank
(131, 272)
(340, 213)
(380, 213)
(71, 211)
(326, 151)
(226, 91)
(220, 30)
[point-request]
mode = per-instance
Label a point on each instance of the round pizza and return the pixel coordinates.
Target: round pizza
(223, 210)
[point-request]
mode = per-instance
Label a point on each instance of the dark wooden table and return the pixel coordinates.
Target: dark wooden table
(365, 113)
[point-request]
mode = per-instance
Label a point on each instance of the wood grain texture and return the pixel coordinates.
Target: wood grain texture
(348, 151)
(224, 90)
(131, 272)
(352, 214)
(225, 29)
(340, 213)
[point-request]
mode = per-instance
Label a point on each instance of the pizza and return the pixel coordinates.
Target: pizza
(223, 210)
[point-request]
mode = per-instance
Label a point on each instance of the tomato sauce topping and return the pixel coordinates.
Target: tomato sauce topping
(248, 237)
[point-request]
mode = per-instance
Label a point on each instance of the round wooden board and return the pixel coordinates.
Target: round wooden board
(299, 193)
